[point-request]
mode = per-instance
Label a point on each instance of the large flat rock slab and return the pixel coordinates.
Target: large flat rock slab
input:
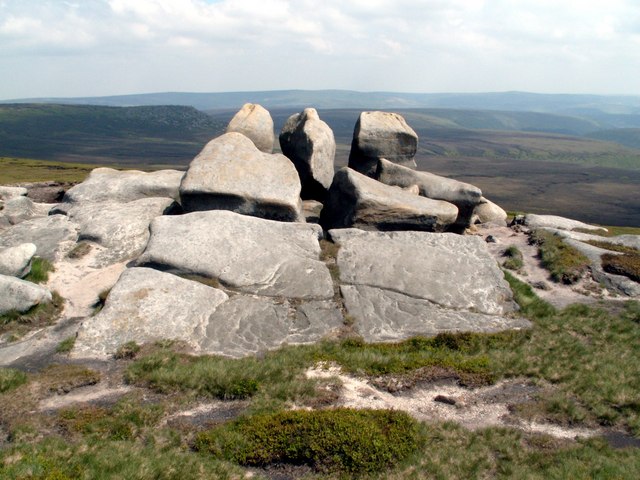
(561, 223)
(53, 236)
(146, 305)
(230, 173)
(252, 255)
(400, 284)
(109, 185)
(121, 227)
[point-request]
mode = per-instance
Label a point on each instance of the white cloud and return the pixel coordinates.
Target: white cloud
(116, 46)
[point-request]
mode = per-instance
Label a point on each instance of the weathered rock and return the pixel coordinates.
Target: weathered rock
(355, 200)
(254, 122)
(553, 221)
(230, 173)
(463, 195)
(631, 241)
(21, 296)
(53, 236)
(146, 305)
(7, 193)
(109, 185)
(382, 135)
(309, 143)
(19, 209)
(399, 284)
(311, 211)
(121, 227)
(16, 261)
(490, 213)
(46, 192)
(247, 325)
(250, 254)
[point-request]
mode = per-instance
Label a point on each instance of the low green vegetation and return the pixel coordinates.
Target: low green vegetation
(565, 263)
(127, 351)
(613, 247)
(514, 259)
(340, 440)
(10, 379)
(627, 265)
(18, 170)
(66, 345)
(17, 323)
(40, 269)
(612, 231)
(80, 250)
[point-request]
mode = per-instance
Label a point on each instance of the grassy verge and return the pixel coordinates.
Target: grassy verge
(514, 259)
(565, 263)
(40, 269)
(17, 324)
(17, 170)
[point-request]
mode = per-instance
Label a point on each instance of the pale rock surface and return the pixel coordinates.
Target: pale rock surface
(250, 254)
(109, 185)
(489, 212)
(463, 195)
(552, 221)
(417, 283)
(7, 193)
(355, 200)
(382, 135)
(53, 236)
(230, 173)
(146, 305)
(16, 261)
(19, 209)
(309, 143)
(254, 122)
(246, 325)
(121, 227)
(16, 294)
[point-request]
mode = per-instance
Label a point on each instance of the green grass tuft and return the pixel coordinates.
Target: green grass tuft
(127, 351)
(565, 263)
(17, 324)
(40, 269)
(514, 258)
(80, 250)
(11, 379)
(338, 440)
(66, 345)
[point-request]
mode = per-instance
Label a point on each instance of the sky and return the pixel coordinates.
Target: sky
(71, 48)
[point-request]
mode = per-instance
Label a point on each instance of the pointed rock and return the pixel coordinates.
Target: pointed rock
(254, 122)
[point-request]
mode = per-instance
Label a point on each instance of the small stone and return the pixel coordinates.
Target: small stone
(445, 399)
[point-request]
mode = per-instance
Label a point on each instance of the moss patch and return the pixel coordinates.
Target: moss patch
(565, 263)
(40, 269)
(627, 265)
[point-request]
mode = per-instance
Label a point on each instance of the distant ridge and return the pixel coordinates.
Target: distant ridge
(567, 104)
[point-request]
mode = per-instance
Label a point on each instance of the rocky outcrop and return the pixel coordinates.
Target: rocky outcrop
(254, 122)
(488, 212)
(7, 193)
(19, 209)
(16, 261)
(382, 135)
(399, 284)
(53, 236)
(121, 227)
(18, 295)
(561, 223)
(245, 253)
(230, 173)
(355, 200)
(463, 195)
(109, 185)
(309, 143)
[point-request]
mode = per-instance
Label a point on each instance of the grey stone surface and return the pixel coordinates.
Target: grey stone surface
(53, 235)
(246, 325)
(489, 213)
(250, 254)
(146, 305)
(254, 122)
(230, 173)
(451, 271)
(355, 200)
(309, 143)
(632, 241)
(109, 185)
(121, 227)
(553, 221)
(16, 261)
(7, 193)
(385, 315)
(382, 135)
(463, 195)
(16, 294)
(19, 209)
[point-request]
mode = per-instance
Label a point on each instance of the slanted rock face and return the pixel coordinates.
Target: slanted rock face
(254, 122)
(16, 261)
(16, 294)
(7, 193)
(109, 185)
(146, 305)
(463, 195)
(400, 284)
(53, 236)
(309, 143)
(19, 209)
(230, 173)
(489, 212)
(121, 227)
(250, 254)
(561, 223)
(382, 135)
(355, 200)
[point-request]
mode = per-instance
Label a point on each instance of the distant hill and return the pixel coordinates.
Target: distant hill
(629, 137)
(146, 135)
